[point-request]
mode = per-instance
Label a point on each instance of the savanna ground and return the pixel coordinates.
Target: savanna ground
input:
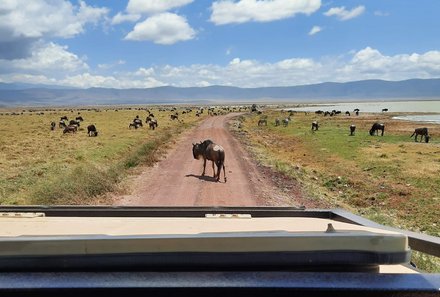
(391, 179)
(40, 166)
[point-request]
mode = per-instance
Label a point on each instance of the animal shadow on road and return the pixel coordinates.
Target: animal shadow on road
(203, 177)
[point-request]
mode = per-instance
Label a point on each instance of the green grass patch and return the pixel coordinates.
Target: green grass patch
(389, 179)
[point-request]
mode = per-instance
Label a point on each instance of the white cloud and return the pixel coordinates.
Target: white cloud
(47, 58)
(229, 12)
(22, 23)
(111, 65)
(154, 6)
(342, 14)
(314, 30)
(39, 18)
(164, 28)
(370, 63)
(161, 26)
(121, 18)
(87, 80)
(367, 63)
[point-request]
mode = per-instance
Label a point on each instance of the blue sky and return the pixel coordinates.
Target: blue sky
(245, 43)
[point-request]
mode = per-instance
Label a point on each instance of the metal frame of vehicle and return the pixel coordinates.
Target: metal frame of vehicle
(257, 283)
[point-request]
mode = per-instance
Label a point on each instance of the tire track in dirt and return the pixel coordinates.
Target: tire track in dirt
(176, 180)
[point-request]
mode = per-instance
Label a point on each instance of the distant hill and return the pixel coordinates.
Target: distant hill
(414, 89)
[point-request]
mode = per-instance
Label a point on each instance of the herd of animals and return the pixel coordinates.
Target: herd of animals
(375, 128)
(73, 125)
(208, 149)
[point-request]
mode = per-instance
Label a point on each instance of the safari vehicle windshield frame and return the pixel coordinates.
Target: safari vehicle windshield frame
(258, 282)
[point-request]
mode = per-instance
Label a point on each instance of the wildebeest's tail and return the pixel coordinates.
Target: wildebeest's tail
(412, 134)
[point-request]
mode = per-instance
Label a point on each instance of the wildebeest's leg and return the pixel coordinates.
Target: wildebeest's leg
(224, 171)
(213, 169)
(204, 165)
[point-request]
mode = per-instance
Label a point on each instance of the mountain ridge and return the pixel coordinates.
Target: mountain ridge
(374, 89)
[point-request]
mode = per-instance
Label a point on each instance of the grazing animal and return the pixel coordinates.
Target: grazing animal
(64, 118)
(423, 132)
(70, 129)
(80, 119)
(315, 126)
(213, 152)
(277, 122)
(91, 130)
(174, 117)
(285, 122)
(352, 129)
(384, 109)
(153, 124)
(262, 122)
(138, 122)
(74, 122)
(376, 127)
(347, 113)
(53, 125)
(133, 125)
(62, 124)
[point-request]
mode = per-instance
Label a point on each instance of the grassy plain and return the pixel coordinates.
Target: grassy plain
(391, 179)
(40, 166)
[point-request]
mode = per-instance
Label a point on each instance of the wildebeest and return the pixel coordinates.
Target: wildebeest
(347, 113)
(352, 129)
(376, 127)
(153, 124)
(262, 122)
(74, 122)
(64, 118)
(80, 119)
(138, 122)
(423, 132)
(70, 129)
(62, 124)
(91, 130)
(285, 122)
(384, 109)
(315, 126)
(52, 125)
(213, 152)
(133, 125)
(277, 122)
(174, 117)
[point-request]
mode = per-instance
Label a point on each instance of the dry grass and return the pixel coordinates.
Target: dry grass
(34, 161)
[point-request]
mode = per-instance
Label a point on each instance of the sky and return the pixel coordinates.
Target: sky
(194, 43)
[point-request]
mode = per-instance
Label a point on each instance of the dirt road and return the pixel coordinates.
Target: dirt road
(176, 180)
